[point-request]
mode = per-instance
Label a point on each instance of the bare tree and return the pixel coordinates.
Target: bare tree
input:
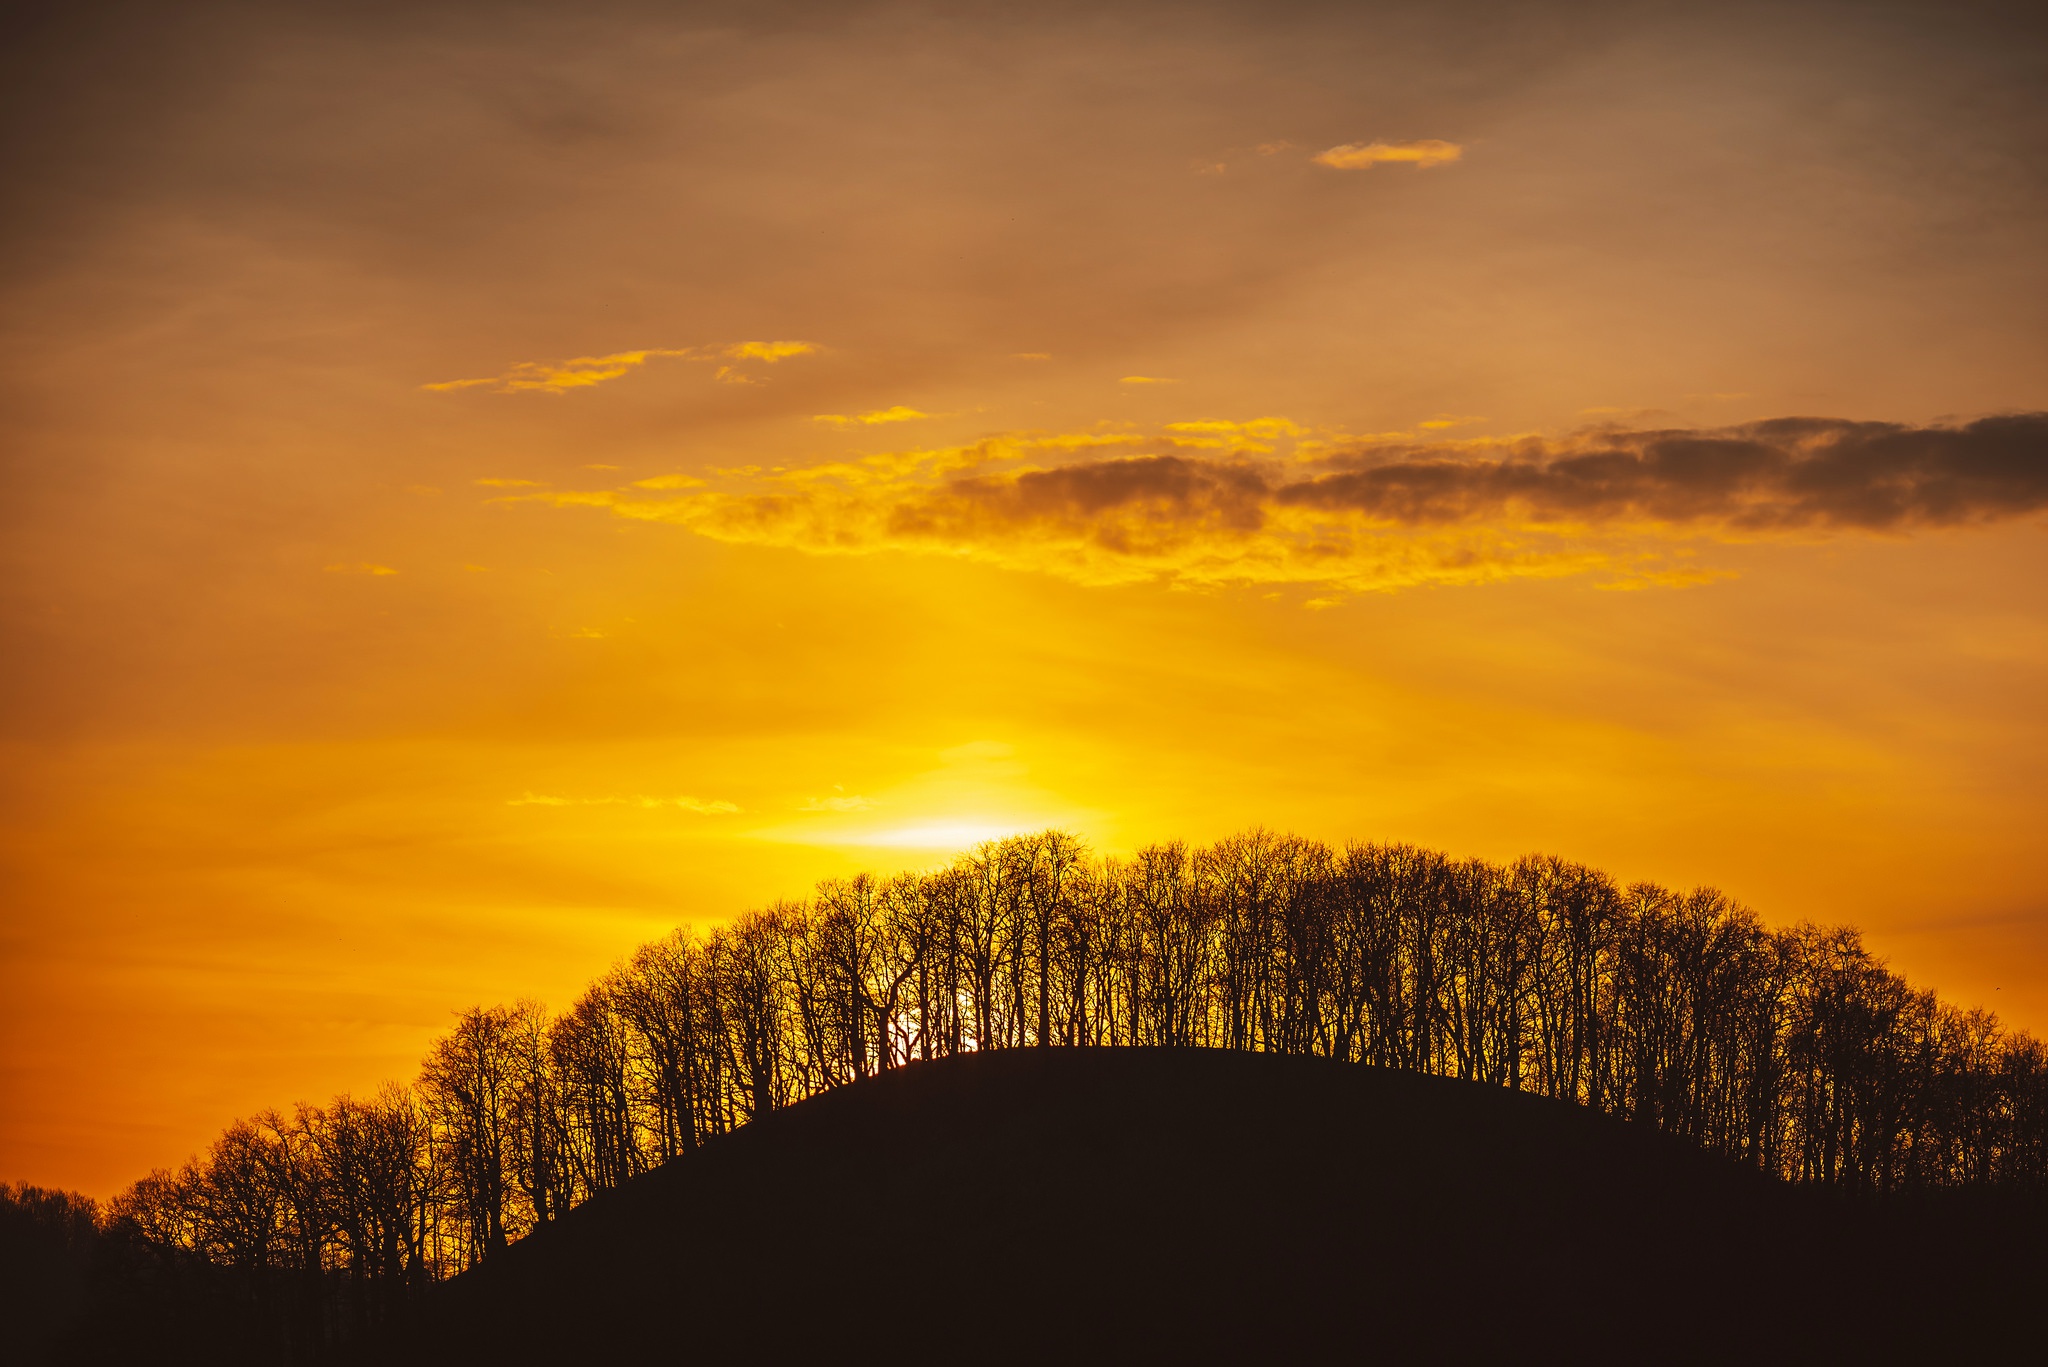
(1794, 1050)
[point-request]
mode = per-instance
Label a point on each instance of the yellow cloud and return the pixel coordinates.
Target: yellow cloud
(881, 415)
(766, 352)
(495, 483)
(1443, 422)
(1352, 514)
(1073, 441)
(1423, 154)
(1146, 379)
(369, 569)
(1257, 435)
(669, 482)
(559, 377)
(770, 352)
(583, 372)
(849, 803)
(1116, 515)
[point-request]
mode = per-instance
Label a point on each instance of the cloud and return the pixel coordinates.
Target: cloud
(1146, 379)
(584, 372)
(559, 377)
(1786, 474)
(1269, 501)
(715, 807)
(1356, 156)
(373, 570)
(767, 353)
(770, 352)
(1256, 436)
(844, 803)
(881, 415)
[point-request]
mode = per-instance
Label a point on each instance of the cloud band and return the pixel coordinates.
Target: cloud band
(585, 372)
(1785, 474)
(1271, 502)
(1363, 156)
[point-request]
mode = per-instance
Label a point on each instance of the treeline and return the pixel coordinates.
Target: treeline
(47, 1243)
(1793, 1050)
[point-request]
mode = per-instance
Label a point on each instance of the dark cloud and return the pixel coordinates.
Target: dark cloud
(1170, 485)
(1786, 474)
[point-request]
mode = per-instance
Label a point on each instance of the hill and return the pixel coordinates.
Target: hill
(1171, 1203)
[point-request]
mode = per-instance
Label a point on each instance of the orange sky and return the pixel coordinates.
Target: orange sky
(896, 425)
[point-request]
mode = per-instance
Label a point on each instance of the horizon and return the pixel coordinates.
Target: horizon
(486, 488)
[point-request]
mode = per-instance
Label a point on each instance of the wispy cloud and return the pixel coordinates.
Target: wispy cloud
(365, 568)
(880, 415)
(1146, 379)
(559, 377)
(701, 806)
(770, 352)
(1255, 436)
(585, 372)
(1271, 502)
(846, 802)
(1361, 156)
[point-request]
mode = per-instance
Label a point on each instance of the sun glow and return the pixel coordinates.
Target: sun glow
(945, 834)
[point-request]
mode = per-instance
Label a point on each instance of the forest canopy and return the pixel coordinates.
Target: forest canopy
(1791, 1050)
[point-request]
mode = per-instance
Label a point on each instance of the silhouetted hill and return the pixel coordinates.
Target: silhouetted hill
(1163, 1203)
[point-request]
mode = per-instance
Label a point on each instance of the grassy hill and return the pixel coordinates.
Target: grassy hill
(1062, 1203)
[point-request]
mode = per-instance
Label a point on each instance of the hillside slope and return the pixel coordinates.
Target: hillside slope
(1091, 1203)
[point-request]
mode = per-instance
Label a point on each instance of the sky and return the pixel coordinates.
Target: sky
(481, 486)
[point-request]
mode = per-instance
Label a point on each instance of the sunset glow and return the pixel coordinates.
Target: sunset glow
(485, 491)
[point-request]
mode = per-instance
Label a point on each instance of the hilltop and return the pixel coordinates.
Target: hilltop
(1056, 1203)
(988, 1104)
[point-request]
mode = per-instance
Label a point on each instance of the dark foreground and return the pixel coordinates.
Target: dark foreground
(1083, 1204)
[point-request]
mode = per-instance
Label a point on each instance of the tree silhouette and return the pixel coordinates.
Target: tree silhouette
(1793, 1051)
